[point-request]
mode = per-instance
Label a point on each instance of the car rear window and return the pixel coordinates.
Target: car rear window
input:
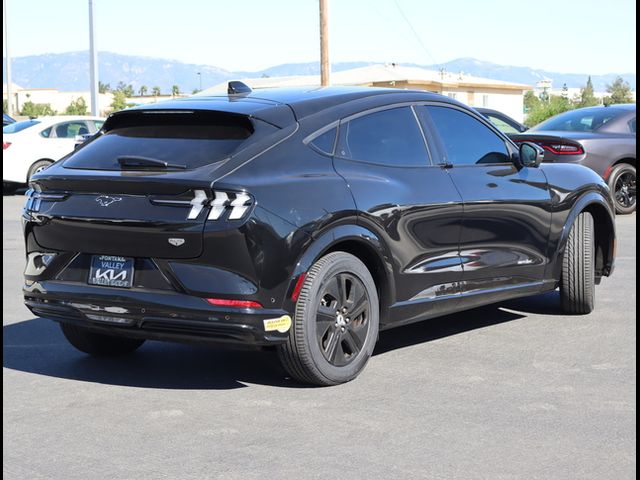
(188, 139)
(19, 126)
(587, 120)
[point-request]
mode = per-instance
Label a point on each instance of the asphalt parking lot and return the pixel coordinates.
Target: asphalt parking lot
(509, 391)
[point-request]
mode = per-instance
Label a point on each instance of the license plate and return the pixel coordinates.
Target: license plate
(111, 271)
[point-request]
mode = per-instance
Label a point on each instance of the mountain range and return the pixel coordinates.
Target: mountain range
(70, 72)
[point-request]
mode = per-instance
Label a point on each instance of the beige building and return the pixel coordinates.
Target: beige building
(473, 91)
(59, 101)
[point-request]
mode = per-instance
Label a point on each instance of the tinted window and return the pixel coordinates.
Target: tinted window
(632, 125)
(466, 140)
(19, 126)
(46, 133)
(326, 141)
(98, 124)
(192, 140)
(390, 137)
(582, 120)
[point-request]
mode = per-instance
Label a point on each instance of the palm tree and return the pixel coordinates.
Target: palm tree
(143, 90)
(175, 90)
(156, 91)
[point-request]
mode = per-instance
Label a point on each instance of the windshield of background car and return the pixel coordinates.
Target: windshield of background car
(580, 120)
(19, 126)
(190, 141)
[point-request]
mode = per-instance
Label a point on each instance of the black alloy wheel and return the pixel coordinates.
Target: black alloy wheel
(342, 319)
(623, 186)
(335, 326)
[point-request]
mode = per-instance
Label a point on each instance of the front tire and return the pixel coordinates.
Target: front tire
(98, 344)
(336, 322)
(622, 183)
(577, 286)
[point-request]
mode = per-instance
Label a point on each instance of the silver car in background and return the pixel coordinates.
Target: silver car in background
(601, 138)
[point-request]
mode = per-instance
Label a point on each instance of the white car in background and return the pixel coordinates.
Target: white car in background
(32, 145)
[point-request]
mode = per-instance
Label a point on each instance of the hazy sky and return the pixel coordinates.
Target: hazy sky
(570, 36)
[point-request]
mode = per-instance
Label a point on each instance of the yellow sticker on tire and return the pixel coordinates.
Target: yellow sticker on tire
(282, 324)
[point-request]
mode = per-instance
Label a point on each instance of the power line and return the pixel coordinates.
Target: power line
(424, 47)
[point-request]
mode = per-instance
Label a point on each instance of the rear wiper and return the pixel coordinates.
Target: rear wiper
(134, 161)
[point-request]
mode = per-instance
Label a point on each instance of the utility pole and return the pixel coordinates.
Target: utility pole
(8, 56)
(93, 60)
(325, 66)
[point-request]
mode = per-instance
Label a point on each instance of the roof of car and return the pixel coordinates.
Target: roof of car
(303, 101)
(62, 118)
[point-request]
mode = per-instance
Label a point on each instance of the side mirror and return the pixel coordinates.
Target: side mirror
(530, 154)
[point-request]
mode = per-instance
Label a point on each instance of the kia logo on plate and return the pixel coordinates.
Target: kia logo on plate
(105, 200)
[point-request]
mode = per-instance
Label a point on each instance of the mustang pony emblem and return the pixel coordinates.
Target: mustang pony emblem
(105, 200)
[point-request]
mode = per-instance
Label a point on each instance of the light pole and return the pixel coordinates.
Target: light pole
(8, 57)
(93, 61)
(200, 80)
(325, 66)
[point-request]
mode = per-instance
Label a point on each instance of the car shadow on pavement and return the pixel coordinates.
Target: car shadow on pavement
(38, 346)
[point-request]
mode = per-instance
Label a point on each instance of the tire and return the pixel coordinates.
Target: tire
(327, 344)
(622, 182)
(38, 167)
(98, 344)
(577, 285)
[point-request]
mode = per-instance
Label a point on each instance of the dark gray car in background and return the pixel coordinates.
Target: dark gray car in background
(601, 138)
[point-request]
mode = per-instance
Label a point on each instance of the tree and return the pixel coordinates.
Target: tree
(544, 110)
(5, 106)
(143, 90)
(119, 101)
(77, 107)
(195, 90)
(620, 92)
(175, 90)
(156, 92)
(30, 109)
(531, 101)
(126, 89)
(103, 87)
(587, 98)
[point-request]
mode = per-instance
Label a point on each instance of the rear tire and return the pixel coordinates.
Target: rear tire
(38, 167)
(577, 286)
(98, 344)
(336, 322)
(622, 182)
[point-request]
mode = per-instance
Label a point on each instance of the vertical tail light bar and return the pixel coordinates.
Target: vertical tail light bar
(237, 204)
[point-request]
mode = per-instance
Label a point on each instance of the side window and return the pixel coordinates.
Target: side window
(46, 133)
(632, 125)
(388, 137)
(466, 140)
(70, 129)
(98, 124)
(326, 141)
(501, 125)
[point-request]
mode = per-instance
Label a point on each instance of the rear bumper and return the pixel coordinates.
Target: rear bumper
(169, 316)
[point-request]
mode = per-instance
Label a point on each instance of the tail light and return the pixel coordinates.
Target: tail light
(5, 145)
(225, 205)
(35, 196)
(237, 204)
(562, 148)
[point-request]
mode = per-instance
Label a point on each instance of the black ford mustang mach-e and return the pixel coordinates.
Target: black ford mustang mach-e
(305, 219)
